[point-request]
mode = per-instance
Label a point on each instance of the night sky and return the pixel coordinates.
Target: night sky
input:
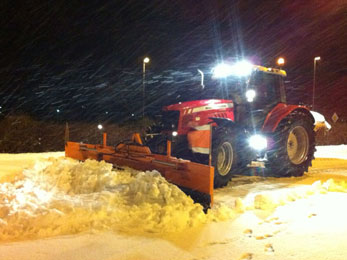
(85, 57)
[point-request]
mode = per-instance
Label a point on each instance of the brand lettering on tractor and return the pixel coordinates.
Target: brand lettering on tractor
(223, 106)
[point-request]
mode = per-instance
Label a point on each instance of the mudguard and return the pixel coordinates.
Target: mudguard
(278, 113)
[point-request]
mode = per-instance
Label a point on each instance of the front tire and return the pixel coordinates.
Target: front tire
(293, 146)
(225, 157)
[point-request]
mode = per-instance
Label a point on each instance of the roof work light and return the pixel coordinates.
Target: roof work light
(240, 69)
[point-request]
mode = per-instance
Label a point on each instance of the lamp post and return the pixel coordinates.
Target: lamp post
(145, 60)
(314, 79)
(280, 62)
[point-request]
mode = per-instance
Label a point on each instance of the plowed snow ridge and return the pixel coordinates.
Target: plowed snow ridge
(64, 196)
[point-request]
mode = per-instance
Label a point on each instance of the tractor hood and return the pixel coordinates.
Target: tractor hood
(201, 105)
(194, 114)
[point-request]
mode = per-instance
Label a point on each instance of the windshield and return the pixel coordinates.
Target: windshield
(227, 88)
(232, 88)
(266, 87)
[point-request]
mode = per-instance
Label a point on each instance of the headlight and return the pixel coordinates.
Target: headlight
(250, 95)
(257, 142)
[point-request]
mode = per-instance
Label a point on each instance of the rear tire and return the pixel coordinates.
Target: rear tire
(293, 146)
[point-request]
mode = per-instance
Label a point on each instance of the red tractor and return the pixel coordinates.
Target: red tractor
(247, 120)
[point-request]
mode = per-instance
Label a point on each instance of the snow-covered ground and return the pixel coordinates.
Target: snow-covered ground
(56, 208)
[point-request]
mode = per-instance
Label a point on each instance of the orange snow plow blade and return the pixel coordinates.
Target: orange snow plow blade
(193, 178)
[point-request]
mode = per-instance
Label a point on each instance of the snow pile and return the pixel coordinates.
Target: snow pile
(320, 121)
(271, 200)
(331, 151)
(63, 196)
(335, 186)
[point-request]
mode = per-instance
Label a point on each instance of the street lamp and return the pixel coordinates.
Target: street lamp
(145, 60)
(280, 62)
(314, 79)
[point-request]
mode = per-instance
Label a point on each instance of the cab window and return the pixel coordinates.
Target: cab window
(267, 87)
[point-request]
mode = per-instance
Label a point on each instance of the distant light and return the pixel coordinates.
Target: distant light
(132, 114)
(280, 61)
(242, 68)
(58, 110)
(174, 133)
(250, 95)
(0, 107)
(99, 127)
(146, 60)
(257, 142)
(106, 112)
(317, 58)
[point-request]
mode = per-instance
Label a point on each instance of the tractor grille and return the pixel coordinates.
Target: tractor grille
(220, 115)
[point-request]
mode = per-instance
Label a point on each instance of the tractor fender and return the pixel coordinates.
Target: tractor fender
(279, 112)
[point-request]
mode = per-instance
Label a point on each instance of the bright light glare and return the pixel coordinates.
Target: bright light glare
(257, 142)
(100, 127)
(250, 95)
(222, 71)
(242, 68)
(316, 58)
(174, 133)
(146, 60)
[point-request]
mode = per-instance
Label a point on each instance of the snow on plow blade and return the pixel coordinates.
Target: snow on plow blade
(194, 179)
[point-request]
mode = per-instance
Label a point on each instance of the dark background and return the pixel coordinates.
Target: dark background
(85, 57)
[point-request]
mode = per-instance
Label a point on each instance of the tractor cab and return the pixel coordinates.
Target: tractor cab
(254, 90)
